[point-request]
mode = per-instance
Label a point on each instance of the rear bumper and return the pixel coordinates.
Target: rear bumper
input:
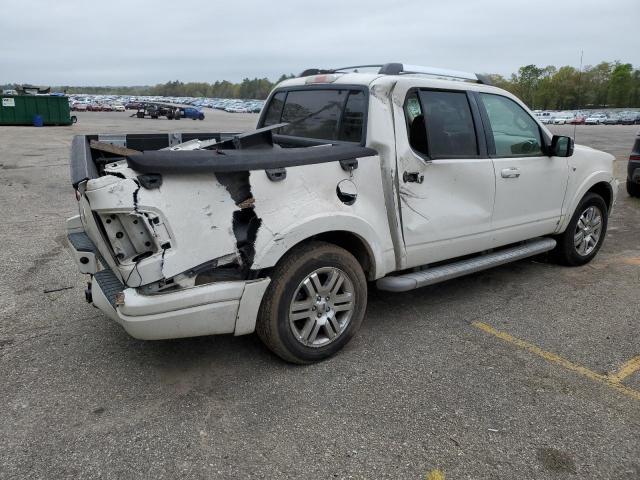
(633, 171)
(215, 308)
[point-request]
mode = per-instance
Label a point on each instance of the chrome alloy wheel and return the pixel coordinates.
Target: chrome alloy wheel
(588, 231)
(322, 307)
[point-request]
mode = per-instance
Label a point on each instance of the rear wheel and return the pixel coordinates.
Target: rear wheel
(314, 305)
(585, 233)
(633, 189)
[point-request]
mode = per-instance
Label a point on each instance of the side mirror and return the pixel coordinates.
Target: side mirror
(561, 146)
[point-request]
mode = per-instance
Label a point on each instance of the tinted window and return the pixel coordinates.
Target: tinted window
(275, 109)
(450, 129)
(323, 114)
(515, 133)
(353, 117)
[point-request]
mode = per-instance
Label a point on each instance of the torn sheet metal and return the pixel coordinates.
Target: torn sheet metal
(191, 218)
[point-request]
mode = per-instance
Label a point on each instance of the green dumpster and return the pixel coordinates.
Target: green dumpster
(22, 109)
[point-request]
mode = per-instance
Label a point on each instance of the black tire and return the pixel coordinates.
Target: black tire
(177, 116)
(140, 115)
(633, 189)
(566, 252)
(273, 325)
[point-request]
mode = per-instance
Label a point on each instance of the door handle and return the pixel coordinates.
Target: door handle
(412, 177)
(512, 172)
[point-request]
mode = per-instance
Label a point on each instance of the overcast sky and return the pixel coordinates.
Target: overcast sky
(140, 42)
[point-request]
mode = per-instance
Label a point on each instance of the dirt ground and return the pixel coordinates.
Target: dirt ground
(522, 372)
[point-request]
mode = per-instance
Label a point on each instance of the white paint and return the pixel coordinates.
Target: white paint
(249, 306)
(463, 206)
(184, 205)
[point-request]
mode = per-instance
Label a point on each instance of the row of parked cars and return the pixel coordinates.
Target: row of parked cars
(588, 118)
(96, 107)
(117, 103)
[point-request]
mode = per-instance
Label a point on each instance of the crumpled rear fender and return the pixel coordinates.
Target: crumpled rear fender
(272, 249)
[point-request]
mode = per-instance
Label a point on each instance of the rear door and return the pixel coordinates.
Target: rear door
(530, 185)
(446, 180)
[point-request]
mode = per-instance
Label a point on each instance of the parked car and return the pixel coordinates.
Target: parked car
(543, 116)
(612, 119)
(193, 113)
(132, 105)
(105, 107)
(80, 107)
(595, 119)
(563, 118)
(631, 118)
(633, 170)
(94, 107)
(578, 120)
(118, 108)
(397, 187)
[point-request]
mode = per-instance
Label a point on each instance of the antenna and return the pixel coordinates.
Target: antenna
(575, 124)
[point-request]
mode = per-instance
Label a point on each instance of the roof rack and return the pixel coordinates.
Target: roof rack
(402, 69)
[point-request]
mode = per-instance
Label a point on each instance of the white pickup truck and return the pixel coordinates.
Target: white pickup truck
(406, 176)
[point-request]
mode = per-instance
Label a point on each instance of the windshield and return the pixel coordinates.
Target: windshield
(326, 114)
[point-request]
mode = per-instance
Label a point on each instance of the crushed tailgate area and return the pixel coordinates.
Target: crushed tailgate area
(529, 370)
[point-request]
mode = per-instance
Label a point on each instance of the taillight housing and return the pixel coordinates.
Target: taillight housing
(129, 236)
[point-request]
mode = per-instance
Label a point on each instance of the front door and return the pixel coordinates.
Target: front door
(530, 185)
(446, 181)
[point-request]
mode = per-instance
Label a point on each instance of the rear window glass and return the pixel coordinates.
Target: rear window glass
(323, 114)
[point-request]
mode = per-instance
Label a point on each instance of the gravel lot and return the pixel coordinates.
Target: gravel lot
(458, 378)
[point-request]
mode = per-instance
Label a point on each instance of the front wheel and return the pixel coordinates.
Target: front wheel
(314, 305)
(585, 233)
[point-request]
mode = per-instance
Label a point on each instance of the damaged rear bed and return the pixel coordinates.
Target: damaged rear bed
(166, 213)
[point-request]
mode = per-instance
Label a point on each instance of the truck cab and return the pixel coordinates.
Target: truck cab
(403, 175)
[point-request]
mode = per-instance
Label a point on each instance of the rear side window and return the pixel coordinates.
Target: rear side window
(275, 109)
(353, 117)
(331, 114)
(515, 133)
(450, 130)
(440, 124)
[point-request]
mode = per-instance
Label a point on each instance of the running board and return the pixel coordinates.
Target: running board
(430, 276)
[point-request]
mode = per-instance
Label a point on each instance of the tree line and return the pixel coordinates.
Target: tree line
(607, 84)
(257, 88)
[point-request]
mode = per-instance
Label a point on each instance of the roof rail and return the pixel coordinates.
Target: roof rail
(402, 69)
